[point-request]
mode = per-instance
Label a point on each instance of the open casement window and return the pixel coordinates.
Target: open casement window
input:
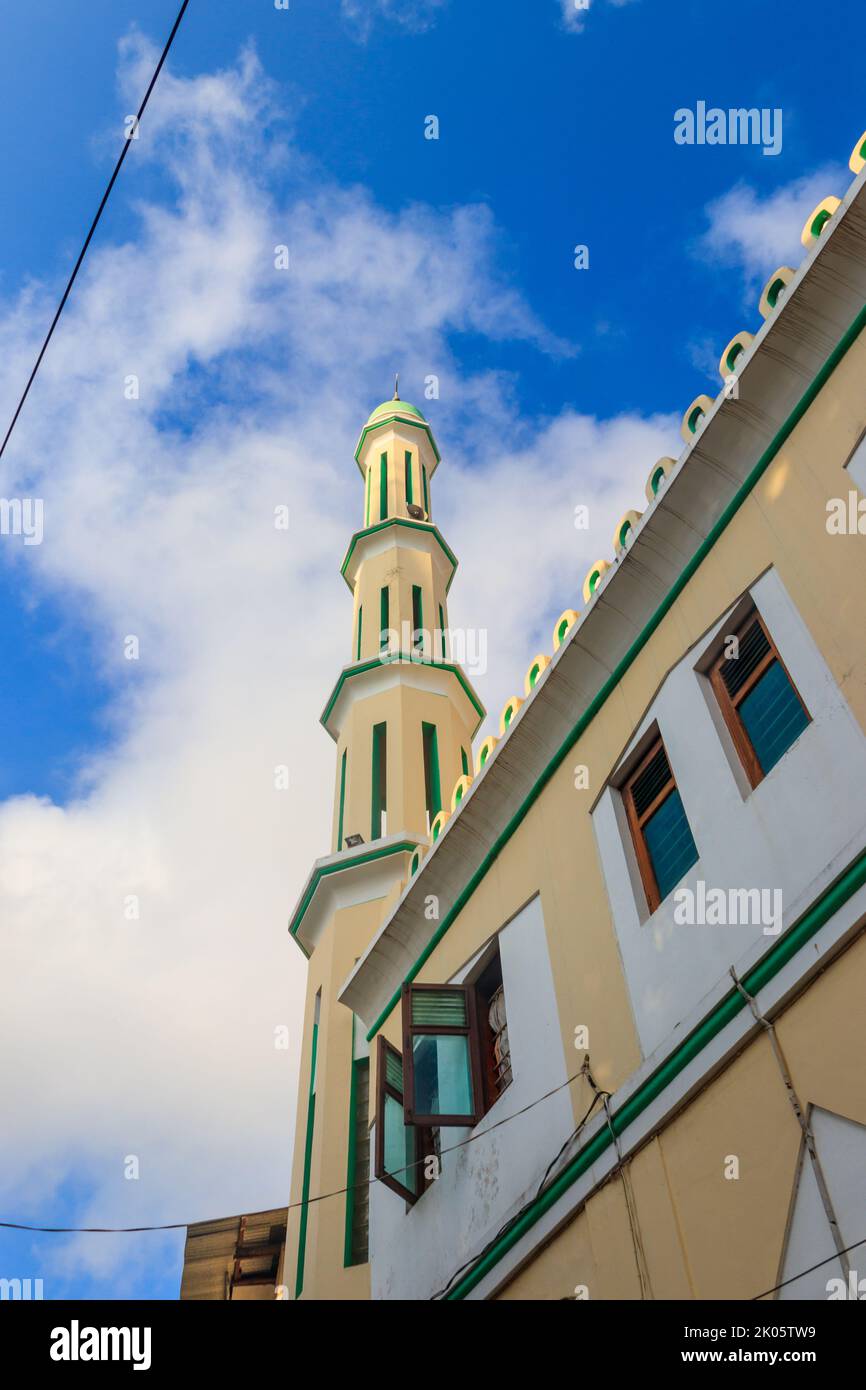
(400, 1147)
(662, 837)
(760, 703)
(442, 1064)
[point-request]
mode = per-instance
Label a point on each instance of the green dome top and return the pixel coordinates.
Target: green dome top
(394, 408)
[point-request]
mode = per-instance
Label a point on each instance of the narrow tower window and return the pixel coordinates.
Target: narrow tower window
(379, 825)
(384, 617)
(409, 494)
(432, 788)
(442, 630)
(383, 487)
(367, 497)
(360, 626)
(417, 618)
(424, 485)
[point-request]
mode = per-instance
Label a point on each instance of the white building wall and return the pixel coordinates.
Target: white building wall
(795, 831)
(415, 1250)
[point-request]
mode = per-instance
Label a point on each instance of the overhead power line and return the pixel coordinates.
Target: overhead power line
(94, 224)
(323, 1197)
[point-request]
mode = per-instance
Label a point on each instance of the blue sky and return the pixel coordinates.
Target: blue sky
(452, 256)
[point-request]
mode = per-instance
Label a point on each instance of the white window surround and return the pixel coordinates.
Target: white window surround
(789, 833)
(414, 1251)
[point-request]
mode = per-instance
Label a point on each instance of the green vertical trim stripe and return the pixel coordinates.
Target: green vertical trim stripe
(709, 1028)
(442, 630)
(380, 754)
(600, 699)
(360, 629)
(367, 498)
(308, 1156)
(408, 456)
(383, 487)
(417, 615)
(430, 738)
(348, 1253)
(342, 800)
(384, 616)
(424, 484)
(464, 762)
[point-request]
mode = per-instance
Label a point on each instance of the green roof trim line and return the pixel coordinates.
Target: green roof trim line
(597, 703)
(402, 847)
(412, 526)
(398, 418)
(709, 1028)
(408, 659)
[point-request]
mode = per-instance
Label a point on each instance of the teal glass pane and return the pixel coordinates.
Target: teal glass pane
(672, 850)
(399, 1146)
(442, 1081)
(772, 716)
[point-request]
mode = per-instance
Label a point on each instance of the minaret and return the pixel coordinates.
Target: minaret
(402, 715)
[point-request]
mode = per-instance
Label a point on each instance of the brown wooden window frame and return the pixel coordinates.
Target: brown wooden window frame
(636, 822)
(729, 705)
(423, 1140)
(470, 1030)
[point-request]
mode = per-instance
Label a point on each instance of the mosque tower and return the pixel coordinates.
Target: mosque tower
(402, 715)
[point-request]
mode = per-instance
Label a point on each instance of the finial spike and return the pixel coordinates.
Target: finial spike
(397, 386)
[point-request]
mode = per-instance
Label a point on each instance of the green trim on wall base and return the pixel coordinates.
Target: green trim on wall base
(637, 646)
(709, 1028)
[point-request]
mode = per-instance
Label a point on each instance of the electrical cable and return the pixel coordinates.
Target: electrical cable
(94, 224)
(803, 1272)
(293, 1206)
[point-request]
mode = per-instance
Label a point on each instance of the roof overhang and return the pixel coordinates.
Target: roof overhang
(420, 533)
(791, 357)
(388, 421)
(345, 879)
(365, 678)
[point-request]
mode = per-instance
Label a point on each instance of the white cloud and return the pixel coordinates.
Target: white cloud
(155, 1037)
(576, 12)
(755, 234)
(412, 15)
